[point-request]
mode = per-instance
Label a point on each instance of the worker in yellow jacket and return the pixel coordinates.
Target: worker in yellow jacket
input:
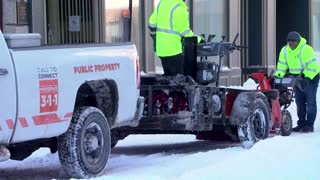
(168, 24)
(295, 58)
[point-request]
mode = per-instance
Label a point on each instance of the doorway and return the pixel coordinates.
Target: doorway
(292, 15)
(252, 37)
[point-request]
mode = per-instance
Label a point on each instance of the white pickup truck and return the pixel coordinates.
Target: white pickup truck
(68, 99)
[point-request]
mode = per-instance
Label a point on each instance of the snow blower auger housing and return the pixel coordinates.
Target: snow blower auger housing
(194, 103)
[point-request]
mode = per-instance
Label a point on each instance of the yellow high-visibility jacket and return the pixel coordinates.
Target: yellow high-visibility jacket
(302, 59)
(168, 24)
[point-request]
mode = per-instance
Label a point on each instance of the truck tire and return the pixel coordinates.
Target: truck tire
(85, 148)
(286, 127)
(257, 123)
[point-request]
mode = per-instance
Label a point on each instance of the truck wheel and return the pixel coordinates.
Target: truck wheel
(257, 125)
(85, 148)
(286, 127)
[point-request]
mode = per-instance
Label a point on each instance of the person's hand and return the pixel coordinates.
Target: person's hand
(276, 75)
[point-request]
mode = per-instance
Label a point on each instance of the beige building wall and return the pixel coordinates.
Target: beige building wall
(39, 20)
(234, 76)
(269, 34)
(10, 18)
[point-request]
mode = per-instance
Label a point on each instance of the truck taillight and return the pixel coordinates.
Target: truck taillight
(138, 72)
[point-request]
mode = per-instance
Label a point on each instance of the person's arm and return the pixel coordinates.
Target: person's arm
(181, 22)
(312, 66)
(282, 65)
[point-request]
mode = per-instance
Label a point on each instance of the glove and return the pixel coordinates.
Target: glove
(277, 75)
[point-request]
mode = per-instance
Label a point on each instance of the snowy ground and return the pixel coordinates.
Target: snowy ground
(182, 157)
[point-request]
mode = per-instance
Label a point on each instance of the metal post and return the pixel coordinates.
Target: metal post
(126, 28)
(142, 26)
(191, 14)
(130, 19)
(30, 23)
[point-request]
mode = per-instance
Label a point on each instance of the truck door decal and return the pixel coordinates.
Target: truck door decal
(96, 68)
(23, 122)
(48, 89)
(46, 119)
(38, 120)
(48, 95)
(10, 123)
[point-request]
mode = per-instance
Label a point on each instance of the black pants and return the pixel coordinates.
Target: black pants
(173, 65)
(306, 101)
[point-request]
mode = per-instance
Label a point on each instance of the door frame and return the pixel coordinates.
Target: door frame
(265, 42)
(252, 31)
(293, 18)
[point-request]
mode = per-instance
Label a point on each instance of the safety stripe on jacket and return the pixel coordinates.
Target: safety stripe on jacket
(154, 28)
(302, 65)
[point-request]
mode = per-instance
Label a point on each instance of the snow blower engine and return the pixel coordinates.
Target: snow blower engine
(196, 55)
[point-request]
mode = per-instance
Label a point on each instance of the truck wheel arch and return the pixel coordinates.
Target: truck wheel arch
(102, 94)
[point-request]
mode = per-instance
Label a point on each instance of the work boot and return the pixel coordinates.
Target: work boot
(297, 129)
(307, 129)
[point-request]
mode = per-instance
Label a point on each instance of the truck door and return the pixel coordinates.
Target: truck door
(8, 98)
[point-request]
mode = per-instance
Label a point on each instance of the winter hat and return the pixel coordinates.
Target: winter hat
(293, 35)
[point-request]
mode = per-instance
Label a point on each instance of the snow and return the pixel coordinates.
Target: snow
(165, 157)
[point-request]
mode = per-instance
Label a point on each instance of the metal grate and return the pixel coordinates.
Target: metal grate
(70, 22)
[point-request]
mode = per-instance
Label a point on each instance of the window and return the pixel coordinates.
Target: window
(316, 26)
(211, 17)
(22, 12)
(117, 21)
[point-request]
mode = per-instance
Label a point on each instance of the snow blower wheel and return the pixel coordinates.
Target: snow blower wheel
(286, 127)
(255, 118)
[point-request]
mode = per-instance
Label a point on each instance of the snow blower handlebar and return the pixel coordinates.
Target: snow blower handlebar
(217, 48)
(284, 85)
